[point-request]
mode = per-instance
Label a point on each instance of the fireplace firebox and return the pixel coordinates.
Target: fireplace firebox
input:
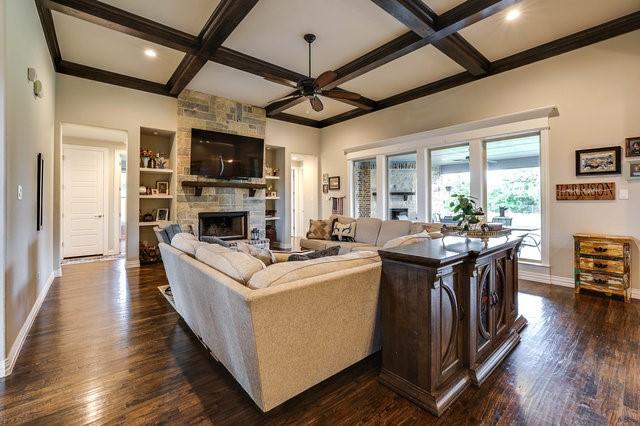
(223, 225)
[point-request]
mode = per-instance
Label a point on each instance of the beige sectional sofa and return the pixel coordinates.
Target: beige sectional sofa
(306, 322)
(372, 234)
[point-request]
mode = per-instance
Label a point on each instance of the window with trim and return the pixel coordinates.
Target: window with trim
(364, 188)
(450, 174)
(402, 182)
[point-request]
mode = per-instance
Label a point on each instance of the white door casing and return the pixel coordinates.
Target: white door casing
(84, 201)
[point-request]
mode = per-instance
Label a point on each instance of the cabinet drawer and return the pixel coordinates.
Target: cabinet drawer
(604, 281)
(602, 248)
(603, 265)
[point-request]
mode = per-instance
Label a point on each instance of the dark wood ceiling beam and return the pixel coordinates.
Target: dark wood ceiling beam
(290, 118)
(122, 21)
(95, 74)
(246, 63)
(410, 41)
(46, 19)
(566, 44)
(275, 108)
(419, 18)
(220, 25)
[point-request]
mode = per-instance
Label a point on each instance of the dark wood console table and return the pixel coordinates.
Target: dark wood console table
(449, 316)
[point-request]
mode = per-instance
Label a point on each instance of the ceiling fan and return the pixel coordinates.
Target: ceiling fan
(310, 88)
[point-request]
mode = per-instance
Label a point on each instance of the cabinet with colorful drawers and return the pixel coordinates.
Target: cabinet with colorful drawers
(603, 263)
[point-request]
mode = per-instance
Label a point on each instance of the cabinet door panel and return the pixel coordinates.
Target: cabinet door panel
(484, 309)
(451, 347)
(499, 297)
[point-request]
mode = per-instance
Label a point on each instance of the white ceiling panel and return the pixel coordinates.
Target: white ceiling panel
(423, 66)
(542, 21)
(331, 108)
(273, 32)
(442, 6)
(240, 86)
(102, 48)
(184, 15)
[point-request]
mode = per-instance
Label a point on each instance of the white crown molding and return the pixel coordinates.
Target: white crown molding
(12, 357)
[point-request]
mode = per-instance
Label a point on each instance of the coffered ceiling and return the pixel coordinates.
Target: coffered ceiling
(387, 51)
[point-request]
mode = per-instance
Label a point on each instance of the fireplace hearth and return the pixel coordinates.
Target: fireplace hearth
(223, 225)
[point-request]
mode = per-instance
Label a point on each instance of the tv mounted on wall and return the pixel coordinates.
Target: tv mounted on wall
(225, 156)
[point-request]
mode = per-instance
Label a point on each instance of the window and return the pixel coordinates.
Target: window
(450, 174)
(364, 188)
(402, 184)
(513, 189)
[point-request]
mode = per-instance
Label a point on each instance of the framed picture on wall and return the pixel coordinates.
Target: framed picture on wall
(334, 183)
(632, 148)
(599, 161)
(40, 194)
(325, 189)
(632, 170)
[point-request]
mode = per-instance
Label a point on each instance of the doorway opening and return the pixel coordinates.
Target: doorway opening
(304, 193)
(93, 193)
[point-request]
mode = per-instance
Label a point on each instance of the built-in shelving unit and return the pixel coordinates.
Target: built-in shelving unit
(272, 218)
(163, 142)
(272, 177)
(271, 198)
(275, 159)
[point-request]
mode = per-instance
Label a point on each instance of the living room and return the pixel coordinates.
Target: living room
(285, 188)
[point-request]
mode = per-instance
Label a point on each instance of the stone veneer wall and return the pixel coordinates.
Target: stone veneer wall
(202, 111)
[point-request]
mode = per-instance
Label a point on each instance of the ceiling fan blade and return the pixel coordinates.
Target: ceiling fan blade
(316, 104)
(279, 80)
(285, 98)
(325, 78)
(341, 94)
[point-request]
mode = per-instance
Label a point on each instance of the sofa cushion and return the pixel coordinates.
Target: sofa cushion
(263, 255)
(407, 240)
(417, 227)
(320, 229)
(367, 230)
(282, 273)
(365, 248)
(347, 247)
(187, 243)
(391, 229)
(317, 244)
(234, 264)
(331, 251)
(344, 231)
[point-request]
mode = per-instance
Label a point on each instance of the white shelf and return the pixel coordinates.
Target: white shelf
(159, 171)
(271, 198)
(149, 224)
(272, 218)
(272, 177)
(157, 197)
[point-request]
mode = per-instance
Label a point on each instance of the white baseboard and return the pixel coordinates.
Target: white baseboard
(12, 357)
(132, 264)
(537, 277)
(58, 272)
(560, 281)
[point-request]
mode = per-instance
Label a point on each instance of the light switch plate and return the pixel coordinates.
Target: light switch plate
(623, 194)
(19, 192)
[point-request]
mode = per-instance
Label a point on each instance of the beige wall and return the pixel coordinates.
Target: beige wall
(2, 177)
(90, 103)
(29, 131)
(596, 90)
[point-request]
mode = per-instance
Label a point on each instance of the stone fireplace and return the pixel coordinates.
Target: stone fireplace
(223, 225)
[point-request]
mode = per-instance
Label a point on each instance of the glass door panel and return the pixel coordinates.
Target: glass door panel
(450, 174)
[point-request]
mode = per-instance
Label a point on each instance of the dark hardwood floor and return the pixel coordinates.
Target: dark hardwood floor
(108, 348)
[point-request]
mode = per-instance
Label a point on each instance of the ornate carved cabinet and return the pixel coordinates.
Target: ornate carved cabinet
(448, 317)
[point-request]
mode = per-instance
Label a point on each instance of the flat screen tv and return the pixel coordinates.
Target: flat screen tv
(225, 156)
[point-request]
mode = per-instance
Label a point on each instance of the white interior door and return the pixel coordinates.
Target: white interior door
(297, 203)
(83, 201)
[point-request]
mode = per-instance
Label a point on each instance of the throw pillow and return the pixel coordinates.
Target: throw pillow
(407, 240)
(236, 265)
(320, 229)
(186, 242)
(331, 251)
(264, 255)
(344, 232)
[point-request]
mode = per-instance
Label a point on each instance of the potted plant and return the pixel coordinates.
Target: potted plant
(465, 212)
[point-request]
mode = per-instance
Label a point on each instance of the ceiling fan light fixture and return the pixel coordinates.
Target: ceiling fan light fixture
(512, 15)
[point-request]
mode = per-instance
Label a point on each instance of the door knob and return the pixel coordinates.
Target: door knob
(98, 216)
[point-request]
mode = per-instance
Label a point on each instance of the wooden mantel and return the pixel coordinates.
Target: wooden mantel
(198, 185)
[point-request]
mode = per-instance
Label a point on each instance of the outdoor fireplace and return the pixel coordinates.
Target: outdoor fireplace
(223, 225)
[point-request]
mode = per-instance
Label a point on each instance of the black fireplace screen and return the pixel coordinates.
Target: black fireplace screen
(224, 225)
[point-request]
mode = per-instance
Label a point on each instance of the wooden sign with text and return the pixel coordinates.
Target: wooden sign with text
(586, 191)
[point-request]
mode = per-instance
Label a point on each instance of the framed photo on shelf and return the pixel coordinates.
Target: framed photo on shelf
(154, 191)
(334, 183)
(325, 188)
(632, 170)
(632, 147)
(162, 214)
(599, 161)
(162, 187)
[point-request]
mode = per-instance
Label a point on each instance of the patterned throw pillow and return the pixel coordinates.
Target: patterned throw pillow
(331, 251)
(320, 229)
(344, 232)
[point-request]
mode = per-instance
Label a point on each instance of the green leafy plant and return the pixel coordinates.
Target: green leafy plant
(465, 210)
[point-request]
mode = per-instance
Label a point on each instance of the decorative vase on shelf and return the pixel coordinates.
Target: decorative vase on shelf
(145, 162)
(142, 190)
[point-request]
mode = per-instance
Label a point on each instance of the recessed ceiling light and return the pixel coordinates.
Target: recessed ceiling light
(150, 53)
(512, 15)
